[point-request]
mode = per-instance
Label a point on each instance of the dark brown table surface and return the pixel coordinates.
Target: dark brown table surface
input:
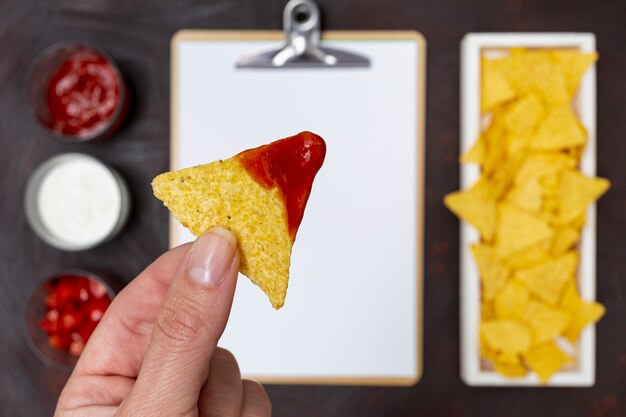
(137, 34)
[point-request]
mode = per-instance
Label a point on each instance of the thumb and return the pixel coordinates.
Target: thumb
(188, 325)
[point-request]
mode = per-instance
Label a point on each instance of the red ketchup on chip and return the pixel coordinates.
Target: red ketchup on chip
(291, 165)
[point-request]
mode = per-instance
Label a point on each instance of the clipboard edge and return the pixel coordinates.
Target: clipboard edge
(270, 35)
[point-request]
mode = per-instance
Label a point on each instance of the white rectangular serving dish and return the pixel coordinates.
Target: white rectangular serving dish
(474, 370)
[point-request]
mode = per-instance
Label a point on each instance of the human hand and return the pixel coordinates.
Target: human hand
(155, 351)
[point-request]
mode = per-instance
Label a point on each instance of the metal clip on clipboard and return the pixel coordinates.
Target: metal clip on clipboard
(301, 20)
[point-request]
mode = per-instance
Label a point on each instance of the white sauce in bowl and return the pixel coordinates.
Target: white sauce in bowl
(79, 201)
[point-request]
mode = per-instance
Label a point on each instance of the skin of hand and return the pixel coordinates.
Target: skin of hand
(155, 351)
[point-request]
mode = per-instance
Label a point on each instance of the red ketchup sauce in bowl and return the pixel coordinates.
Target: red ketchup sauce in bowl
(77, 92)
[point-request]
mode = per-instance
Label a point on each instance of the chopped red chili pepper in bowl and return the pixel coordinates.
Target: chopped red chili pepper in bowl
(63, 313)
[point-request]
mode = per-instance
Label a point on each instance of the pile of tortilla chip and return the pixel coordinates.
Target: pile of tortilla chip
(529, 207)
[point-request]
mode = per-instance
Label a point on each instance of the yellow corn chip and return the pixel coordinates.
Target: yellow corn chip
(546, 280)
(543, 164)
(518, 230)
(546, 359)
(496, 88)
(534, 72)
(511, 301)
(475, 154)
(493, 274)
(579, 221)
(573, 65)
(564, 239)
(550, 183)
(528, 195)
(486, 351)
(495, 147)
(576, 192)
(545, 322)
(222, 193)
(517, 144)
(531, 256)
(582, 312)
(225, 193)
(524, 115)
(487, 311)
(509, 365)
(561, 129)
(475, 209)
(506, 336)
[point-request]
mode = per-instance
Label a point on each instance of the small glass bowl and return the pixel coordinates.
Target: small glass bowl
(36, 337)
(33, 216)
(42, 69)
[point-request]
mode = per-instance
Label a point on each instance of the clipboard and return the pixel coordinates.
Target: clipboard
(353, 313)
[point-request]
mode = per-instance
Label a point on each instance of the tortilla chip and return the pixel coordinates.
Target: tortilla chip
(517, 144)
(225, 193)
(506, 336)
(546, 359)
(582, 312)
(528, 195)
(543, 164)
(561, 129)
(486, 351)
(545, 322)
(495, 88)
(222, 193)
(493, 274)
(524, 115)
(475, 154)
(578, 191)
(564, 239)
(530, 256)
(487, 311)
(518, 230)
(573, 65)
(509, 365)
(547, 280)
(533, 72)
(511, 301)
(472, 207)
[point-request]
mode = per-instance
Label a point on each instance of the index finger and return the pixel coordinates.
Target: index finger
(119, 343)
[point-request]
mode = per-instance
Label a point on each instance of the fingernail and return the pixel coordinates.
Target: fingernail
(211, 257)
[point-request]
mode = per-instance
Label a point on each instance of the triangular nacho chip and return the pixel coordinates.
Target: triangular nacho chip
(561, 129)
(576, 192)
(259, 195)
(528, 195)
(583, 312)
(546, 280)
(533, 72)
(509, 365)
(493, 274)
(511, 301)
(546, 322)
(517, 230)
(524, 115)
(475, 154)
(573, 65)
(495, 87)
(508, 336)
(472, 207)
(564, 239)
(543, 164)
(546, 359)
(530, 256)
